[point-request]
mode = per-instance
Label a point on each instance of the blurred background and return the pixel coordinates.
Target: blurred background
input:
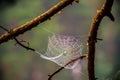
(16, 63)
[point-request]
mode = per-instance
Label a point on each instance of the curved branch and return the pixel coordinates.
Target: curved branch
(105, 10)
(33, 23)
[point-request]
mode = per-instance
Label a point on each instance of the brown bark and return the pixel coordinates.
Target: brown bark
(33, 23)
(105, 10)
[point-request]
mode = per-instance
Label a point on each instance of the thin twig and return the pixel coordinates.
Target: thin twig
(18, 42)
(105, 10)
(4, 28)
(24, 42)
(34, 22)
(61, 68)
(26, 47)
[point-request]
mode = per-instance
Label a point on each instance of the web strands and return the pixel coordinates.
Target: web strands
(62, 49)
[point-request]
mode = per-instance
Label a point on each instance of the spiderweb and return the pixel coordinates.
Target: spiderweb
(62, 49)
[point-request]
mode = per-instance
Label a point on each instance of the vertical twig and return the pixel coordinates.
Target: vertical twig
(105, 10)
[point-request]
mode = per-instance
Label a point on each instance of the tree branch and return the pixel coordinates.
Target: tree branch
(17, 41)
(33, 23)
(61, 68)
(105, 10)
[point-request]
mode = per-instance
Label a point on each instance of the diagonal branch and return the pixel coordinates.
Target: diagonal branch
(105, 10)
(61, 68)
(18, 42)
(33, 23)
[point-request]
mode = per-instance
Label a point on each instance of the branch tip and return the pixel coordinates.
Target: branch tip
(111, 16)
(99, 39)
(77, 1)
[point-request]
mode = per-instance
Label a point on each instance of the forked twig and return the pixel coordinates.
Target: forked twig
(26, 47)
(17, 41)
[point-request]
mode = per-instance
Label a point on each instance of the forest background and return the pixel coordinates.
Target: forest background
(19, 64)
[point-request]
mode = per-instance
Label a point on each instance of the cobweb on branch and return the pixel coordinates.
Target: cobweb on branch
(62, 49)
